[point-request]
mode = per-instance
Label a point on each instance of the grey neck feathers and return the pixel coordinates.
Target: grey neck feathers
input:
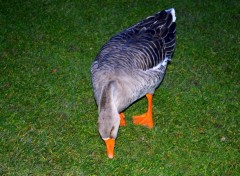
(107, 97)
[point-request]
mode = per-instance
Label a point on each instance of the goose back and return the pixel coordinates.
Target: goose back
(142, 46)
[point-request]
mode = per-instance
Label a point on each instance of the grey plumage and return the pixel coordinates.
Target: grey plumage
(130, 65)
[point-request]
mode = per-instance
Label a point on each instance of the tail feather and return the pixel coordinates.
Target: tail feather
(172, 11)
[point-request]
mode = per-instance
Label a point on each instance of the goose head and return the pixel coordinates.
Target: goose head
(108, 125)
(108, 119)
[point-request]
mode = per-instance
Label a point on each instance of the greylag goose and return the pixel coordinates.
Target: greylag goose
(129, 66)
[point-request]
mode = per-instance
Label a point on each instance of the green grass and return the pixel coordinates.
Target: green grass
(48, 116)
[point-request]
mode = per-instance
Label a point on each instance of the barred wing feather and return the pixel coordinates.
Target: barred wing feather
(144, 45)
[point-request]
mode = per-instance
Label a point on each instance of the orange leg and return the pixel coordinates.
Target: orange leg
(122, 119)
(146, 118)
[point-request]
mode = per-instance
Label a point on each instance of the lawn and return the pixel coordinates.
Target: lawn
(48, 116)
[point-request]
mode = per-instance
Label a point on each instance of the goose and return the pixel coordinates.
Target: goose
(129, 66)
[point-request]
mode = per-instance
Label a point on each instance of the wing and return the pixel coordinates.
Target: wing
(144, 45)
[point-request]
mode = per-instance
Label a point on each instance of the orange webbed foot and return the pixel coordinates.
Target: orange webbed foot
(122, 119)
(144, 120)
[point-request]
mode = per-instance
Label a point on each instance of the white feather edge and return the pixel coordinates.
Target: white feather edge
(172, 11)
(163, 63)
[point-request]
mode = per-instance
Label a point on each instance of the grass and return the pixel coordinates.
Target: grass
(48, 117)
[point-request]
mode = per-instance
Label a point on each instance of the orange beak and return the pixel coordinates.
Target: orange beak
(110, 143)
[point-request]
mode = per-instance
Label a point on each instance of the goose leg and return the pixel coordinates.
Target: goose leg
(122, 119)
(146, 118)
